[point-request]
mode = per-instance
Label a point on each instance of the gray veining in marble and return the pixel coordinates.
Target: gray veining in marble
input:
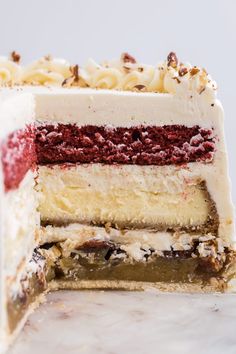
(91, 322)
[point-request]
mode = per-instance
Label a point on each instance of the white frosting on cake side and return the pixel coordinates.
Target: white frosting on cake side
(18, 216)
(16, 110)
(21, 221)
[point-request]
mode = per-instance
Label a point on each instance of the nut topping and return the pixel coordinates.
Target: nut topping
(183, 71)
(127, 58)
(75, 72)
(15, 57)
(172, 60)
(140, 87)
(194, 71)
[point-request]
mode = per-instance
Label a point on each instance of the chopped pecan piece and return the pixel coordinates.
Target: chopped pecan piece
(172, 60)
(177, 79)
(127, 58)
(48, 57)
(15, 57)
(183, 71)
(75, 72)
(140, 87)
(68, 82)
(194, 71)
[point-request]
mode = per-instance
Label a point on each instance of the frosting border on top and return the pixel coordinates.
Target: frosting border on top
(125, 74)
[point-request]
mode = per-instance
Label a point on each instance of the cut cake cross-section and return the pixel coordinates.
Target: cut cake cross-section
(112, 176)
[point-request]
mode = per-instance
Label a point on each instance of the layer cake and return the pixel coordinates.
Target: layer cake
(113, 176)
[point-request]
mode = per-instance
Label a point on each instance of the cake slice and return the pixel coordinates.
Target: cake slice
(113, 176)
(129, 189)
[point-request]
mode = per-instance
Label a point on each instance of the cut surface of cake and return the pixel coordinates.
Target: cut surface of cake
(19, 219)
(113, 176)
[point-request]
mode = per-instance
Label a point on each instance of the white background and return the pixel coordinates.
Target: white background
(202, 32)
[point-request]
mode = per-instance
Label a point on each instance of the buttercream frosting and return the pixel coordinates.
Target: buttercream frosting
(169, 76)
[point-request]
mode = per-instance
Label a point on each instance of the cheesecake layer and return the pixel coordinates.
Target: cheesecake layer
(152, 145)
(125, 196)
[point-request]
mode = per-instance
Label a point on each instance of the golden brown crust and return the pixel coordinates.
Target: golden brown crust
(214, 286)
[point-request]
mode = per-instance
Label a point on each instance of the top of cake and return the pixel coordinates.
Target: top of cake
(126, 74)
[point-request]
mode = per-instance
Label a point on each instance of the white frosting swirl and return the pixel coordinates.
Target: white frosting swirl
(47, 71)
(128, 76)
(144, 75)
(124, 74)
(98, 76)
(194, 80)
(10, 72)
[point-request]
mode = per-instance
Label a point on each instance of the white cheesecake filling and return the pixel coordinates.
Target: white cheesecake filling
(130, 196)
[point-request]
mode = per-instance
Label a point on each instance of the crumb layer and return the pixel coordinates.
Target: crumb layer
(18, 156)
(151, 145)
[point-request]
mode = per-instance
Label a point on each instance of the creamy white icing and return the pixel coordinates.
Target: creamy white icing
(20, 223)
(46, 71)
(124, 74)
(10, 72)
(16, 110)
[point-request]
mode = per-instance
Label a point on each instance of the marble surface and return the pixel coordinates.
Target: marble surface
(110, 322)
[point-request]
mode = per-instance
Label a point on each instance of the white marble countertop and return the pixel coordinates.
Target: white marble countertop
(112, 322)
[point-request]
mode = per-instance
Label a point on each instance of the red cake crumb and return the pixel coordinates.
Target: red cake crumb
(18, 156)
(170, 144)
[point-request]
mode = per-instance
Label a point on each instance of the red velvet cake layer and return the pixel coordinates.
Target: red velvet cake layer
(170, 144)
(18, 156)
